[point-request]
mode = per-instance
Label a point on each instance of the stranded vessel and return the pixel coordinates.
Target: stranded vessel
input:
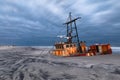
(74, 47)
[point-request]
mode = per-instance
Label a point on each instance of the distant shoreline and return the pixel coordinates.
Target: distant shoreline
(115, 50)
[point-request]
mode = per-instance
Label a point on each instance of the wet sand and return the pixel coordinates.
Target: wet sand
(32, 63)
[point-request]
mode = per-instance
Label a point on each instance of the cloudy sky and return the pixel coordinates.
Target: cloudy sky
(30, 21)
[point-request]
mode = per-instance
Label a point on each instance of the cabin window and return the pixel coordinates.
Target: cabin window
(67, 46)
(62, 47)
(56, 47)
(71, 45)
(59, 47)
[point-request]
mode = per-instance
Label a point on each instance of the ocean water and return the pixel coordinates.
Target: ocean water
(42, 41)
(49, 41)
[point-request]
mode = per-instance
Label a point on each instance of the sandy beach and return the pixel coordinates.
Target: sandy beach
(36, 63)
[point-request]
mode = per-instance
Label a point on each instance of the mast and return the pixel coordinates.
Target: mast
(70, 29)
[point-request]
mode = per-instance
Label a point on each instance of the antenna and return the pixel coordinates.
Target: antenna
(70, 29)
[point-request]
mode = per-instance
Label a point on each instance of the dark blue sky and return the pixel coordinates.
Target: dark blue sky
(29, 21)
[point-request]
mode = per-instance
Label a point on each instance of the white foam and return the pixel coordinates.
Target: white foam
(116, 50)
(6, 47)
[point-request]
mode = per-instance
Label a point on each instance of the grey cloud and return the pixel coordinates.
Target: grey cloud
(36, 18)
